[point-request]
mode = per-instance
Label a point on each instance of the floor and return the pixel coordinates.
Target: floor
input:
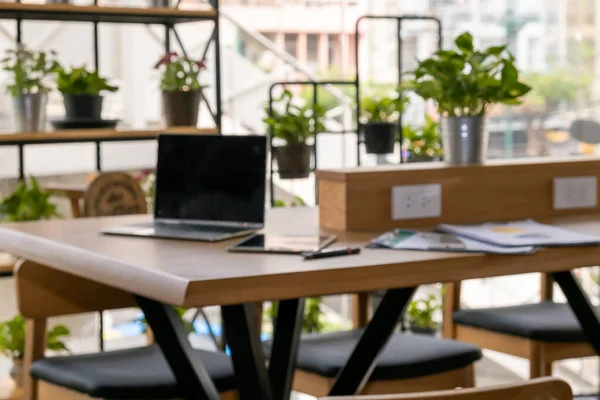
(494, 369)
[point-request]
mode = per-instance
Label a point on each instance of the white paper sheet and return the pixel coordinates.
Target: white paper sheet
(431, 241)
(520, 233)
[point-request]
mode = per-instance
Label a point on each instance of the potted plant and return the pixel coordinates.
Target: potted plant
(465, 83)
(81, 90)
(295, 125)
(312, 321)
(29, 87)
(420, 315)
(27, 203)
(380, 126)
(181, 89)
(423, 143)
(12, 343)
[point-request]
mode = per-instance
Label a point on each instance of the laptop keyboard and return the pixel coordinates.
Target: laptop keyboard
(198, 228)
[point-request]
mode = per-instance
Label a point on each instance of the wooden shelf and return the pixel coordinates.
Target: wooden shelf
(127, 15)
(95, 135)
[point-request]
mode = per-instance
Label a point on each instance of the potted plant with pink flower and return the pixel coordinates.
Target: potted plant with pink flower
(181, 88)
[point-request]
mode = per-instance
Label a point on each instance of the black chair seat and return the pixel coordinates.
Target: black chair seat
(406, 356)
(140, 373)
(546, 321)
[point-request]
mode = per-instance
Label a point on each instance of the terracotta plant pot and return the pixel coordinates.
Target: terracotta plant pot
(380, 137)
(293, 160)
(83, 107)
(16, 372)
(181, 108)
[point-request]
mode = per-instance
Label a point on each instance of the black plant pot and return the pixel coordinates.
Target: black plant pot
(181, 108)
(415, 158)
(422, 330)
(83, 106)
(380, 137)
(293, 160)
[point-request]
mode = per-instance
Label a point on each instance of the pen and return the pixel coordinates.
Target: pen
(334, 252)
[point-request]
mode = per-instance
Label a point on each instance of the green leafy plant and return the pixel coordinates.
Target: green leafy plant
(466, 82)
(29, 70)
(420, 313)
(383, 108)
(296, 202)
(312, 321)
(425, 141)
(28, 203)
(179, 74)
(294, 123)
(12, 338)
(80, 81)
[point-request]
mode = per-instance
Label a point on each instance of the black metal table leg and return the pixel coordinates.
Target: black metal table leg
(581, 306)
(353, 376)
(240, 324)
(173, 340)
(284, 352)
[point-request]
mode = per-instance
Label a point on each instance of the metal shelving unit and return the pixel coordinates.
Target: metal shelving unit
(95, 14)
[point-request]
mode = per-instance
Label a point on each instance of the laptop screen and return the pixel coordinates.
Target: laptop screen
(211, 178)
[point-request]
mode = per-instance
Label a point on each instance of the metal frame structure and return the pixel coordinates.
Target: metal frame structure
(356, 83)
(169, 21)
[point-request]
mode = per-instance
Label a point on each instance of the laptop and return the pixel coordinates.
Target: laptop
(208, 188)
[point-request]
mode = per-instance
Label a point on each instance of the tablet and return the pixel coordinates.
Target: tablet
(282, 244)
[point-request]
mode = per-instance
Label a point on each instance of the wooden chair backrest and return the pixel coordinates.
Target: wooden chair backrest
(114, 193)
(537, 389)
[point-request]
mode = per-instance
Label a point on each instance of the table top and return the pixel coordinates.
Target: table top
(188, 273)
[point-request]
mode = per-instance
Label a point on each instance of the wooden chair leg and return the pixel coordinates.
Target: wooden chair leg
(469, 381)
(35, 345)
(538, 365)
(360, 310)
(451, 304)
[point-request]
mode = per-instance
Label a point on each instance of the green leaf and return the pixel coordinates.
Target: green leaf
(465, 42)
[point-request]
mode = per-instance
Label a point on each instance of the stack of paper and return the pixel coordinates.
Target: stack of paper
(520, 237)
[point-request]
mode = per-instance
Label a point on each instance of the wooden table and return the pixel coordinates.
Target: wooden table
(194, 274)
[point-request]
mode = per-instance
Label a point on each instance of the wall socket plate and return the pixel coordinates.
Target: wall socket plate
(416, 201)
(575, 192)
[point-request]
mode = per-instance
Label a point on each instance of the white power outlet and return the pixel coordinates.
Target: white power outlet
(416, 201)
(576, 192)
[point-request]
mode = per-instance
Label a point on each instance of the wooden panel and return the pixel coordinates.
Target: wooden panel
(539, 389)
(494, 341)
(505, 190)
(333, 200)
(44, 292)
(564, 351)
(316, 385)
(198, 274)
(95, 134)
(67, 12)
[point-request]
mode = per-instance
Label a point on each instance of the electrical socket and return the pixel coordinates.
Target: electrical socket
(575, 192)
(416, 201)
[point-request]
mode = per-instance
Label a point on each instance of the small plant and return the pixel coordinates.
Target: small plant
(147, 179)
(466, 82)
(312, 317)
(420, 313)
(28, 203)
(294, 123)
(29, 69)
(179, 74)
(12, 338)
(296, 202)
(80, 81)
(383, 108)
(425, 141)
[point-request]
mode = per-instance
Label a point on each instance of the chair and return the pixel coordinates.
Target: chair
(110, 193)
(542, 333)
(409, 363)
(538, 389)
(138, 373)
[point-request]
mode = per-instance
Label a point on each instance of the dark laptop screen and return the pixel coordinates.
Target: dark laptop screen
(218, 178)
